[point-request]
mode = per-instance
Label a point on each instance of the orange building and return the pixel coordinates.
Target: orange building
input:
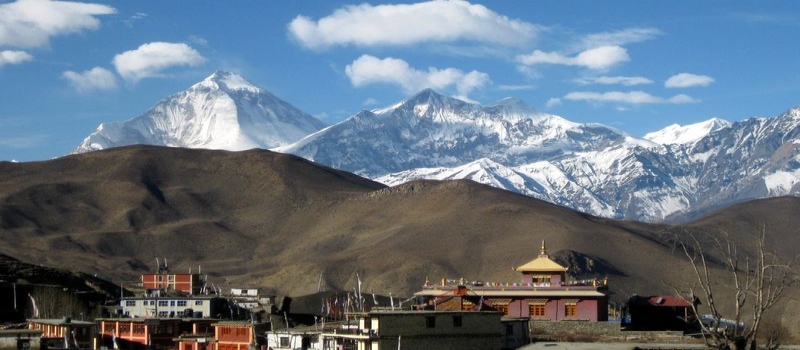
(65, 333)
(153, 333)
(238, 335)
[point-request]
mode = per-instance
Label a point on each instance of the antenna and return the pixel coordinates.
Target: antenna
(158, 265)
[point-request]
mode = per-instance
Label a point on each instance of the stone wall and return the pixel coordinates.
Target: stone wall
(595, 331)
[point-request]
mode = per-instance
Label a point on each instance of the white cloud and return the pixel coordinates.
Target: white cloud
(199, 40)
(618, 38)
(13, 57)
(681, 99)
(370, 102)
(31, 23)
(407, 24)
(96, 78)
(599, 58)
(515, 87)
(605, 80)
(631, 97)
(151, 59)
(684, 80)
(552, 102)
(371, 70)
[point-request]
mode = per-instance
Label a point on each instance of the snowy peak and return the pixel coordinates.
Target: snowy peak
(224, 111)
(228, 82)
(512, 106)
(677, 134)
(429, 130)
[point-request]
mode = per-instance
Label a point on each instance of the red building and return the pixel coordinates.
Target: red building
(186, 283)
(544, 292)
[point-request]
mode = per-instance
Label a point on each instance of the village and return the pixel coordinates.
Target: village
(180, 311)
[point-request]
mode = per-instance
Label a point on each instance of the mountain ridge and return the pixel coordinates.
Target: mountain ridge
(588, 167)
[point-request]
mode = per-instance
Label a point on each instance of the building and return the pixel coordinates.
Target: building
(543, 293)
(662, 313)
(186, 283)
(386, 329)
(194, 306)
(239, 335)
(65, 333)
(251, 298)
(148, 333)
(20, 339)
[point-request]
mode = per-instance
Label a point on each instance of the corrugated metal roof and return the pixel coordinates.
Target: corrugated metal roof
(668, 301)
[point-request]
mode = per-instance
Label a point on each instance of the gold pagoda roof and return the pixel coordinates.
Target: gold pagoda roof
(542, 264)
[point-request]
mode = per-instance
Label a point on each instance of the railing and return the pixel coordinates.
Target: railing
(581, 284)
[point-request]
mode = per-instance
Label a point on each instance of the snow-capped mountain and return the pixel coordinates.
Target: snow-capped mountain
(676, 172)
(224, 111)
(431, 130)
(588, 167)
(677, 134)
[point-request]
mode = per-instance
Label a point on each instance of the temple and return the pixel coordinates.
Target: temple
(544, 293)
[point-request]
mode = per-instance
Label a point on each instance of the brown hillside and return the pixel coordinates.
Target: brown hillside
(258, 218)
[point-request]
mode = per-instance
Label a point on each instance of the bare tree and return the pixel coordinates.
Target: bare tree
(738, 286)
(56, 302)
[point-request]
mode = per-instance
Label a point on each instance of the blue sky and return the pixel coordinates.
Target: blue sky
(66, 67)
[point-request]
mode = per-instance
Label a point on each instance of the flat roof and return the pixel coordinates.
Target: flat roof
(61, 322)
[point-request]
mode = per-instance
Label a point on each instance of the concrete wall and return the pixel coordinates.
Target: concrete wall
(479, 330)
(11, 339)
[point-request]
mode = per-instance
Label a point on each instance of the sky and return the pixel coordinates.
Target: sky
(638, 66)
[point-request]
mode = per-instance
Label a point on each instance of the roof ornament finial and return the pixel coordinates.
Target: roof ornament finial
(543, 250)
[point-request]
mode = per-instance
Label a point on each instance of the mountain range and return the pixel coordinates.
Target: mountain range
(283, 224)
(673, 175)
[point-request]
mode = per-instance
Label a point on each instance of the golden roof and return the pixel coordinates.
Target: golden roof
(542, 264)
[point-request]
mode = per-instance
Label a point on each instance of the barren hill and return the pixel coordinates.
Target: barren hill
(275, 221)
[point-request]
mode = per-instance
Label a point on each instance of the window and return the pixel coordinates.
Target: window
(570, 310)
(163, 313)
(284, 342)
(198, 302)
(181, 302)
(537, 310)
(172, 303)
(430, 321)
(130, 302)
(163, 303)
(457, 321)
(502, 308)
